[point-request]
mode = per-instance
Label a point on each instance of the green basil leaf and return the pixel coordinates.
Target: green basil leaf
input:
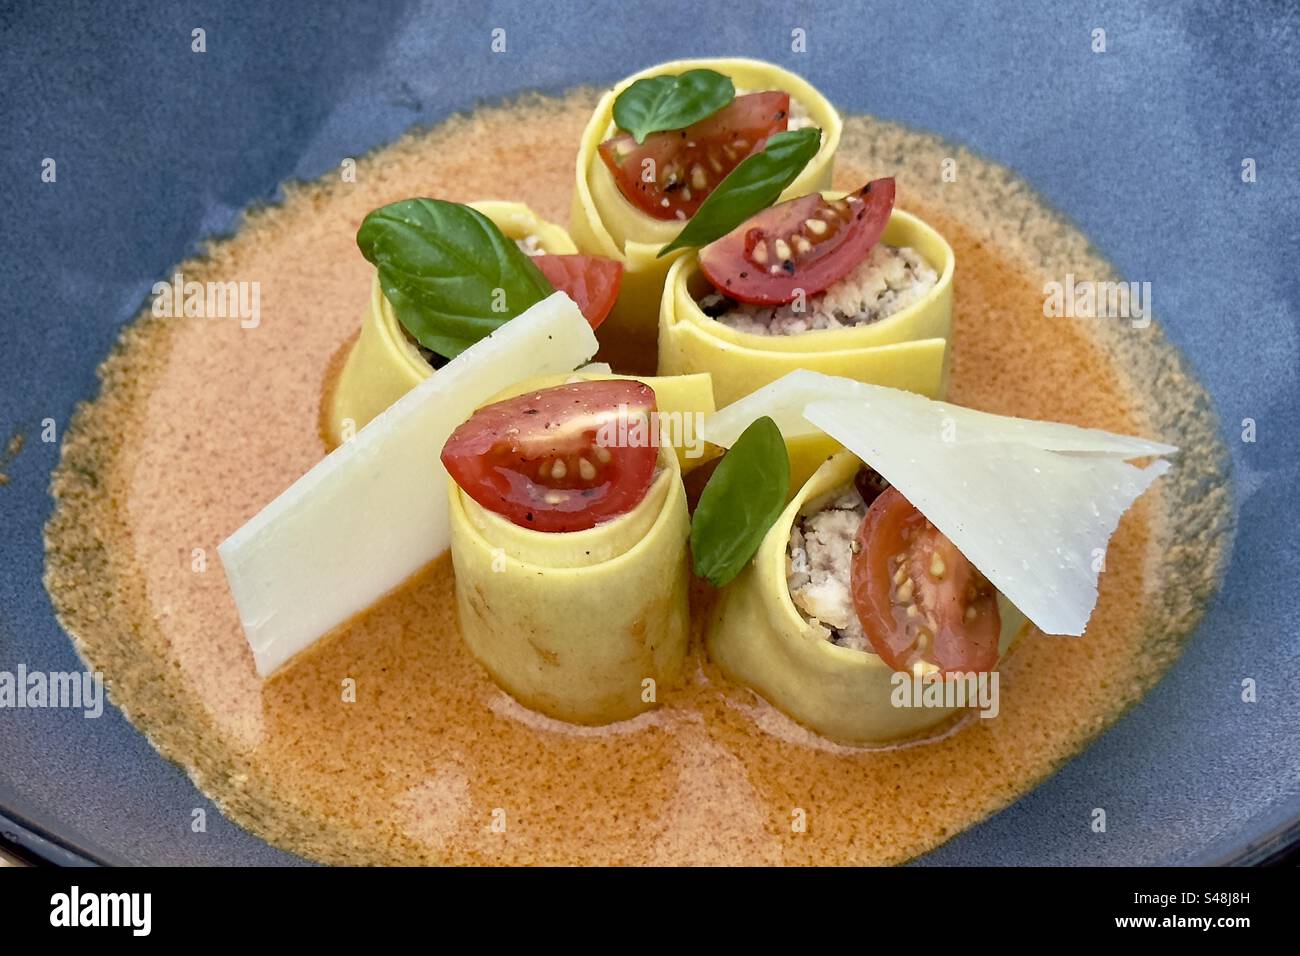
(450, 274)
(660, 103)
(750, 188)
(746, 493)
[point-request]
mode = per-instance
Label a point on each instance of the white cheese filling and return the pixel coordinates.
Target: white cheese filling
(531, 245)
(799, 118)
(887, 281)
(819, 562)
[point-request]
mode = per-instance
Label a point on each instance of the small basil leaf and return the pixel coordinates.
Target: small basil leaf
(450, 274)
(745, 494)
(660, 103)
(750, 188)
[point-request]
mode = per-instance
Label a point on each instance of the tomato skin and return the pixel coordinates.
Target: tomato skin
(590, 281)
(505, 456)
(689, 163)
(931, 606)
(807, 244)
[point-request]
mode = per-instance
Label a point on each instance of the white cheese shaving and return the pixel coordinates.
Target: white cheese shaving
(785, 399)
(374, 511)
(1035, 522)
(1031, 504)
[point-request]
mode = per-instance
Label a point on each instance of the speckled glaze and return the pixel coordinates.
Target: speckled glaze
(1142, 146)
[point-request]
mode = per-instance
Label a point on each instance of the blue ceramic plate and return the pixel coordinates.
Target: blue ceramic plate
(1142, 146)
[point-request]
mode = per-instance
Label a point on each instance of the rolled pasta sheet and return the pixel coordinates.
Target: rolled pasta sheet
(590, 626)
(758, 637)
(604, 223)
(383, 364)
(574, 625)
(905, 350)
(908, 349)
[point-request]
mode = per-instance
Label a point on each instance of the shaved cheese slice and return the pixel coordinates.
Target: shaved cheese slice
(1035, 521)
(374, 511)
(785, 399)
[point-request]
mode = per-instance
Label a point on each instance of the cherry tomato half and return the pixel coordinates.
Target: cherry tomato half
(804, 244)
(672, 172)
(917, 596)
(590, 281)
(562, 459)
